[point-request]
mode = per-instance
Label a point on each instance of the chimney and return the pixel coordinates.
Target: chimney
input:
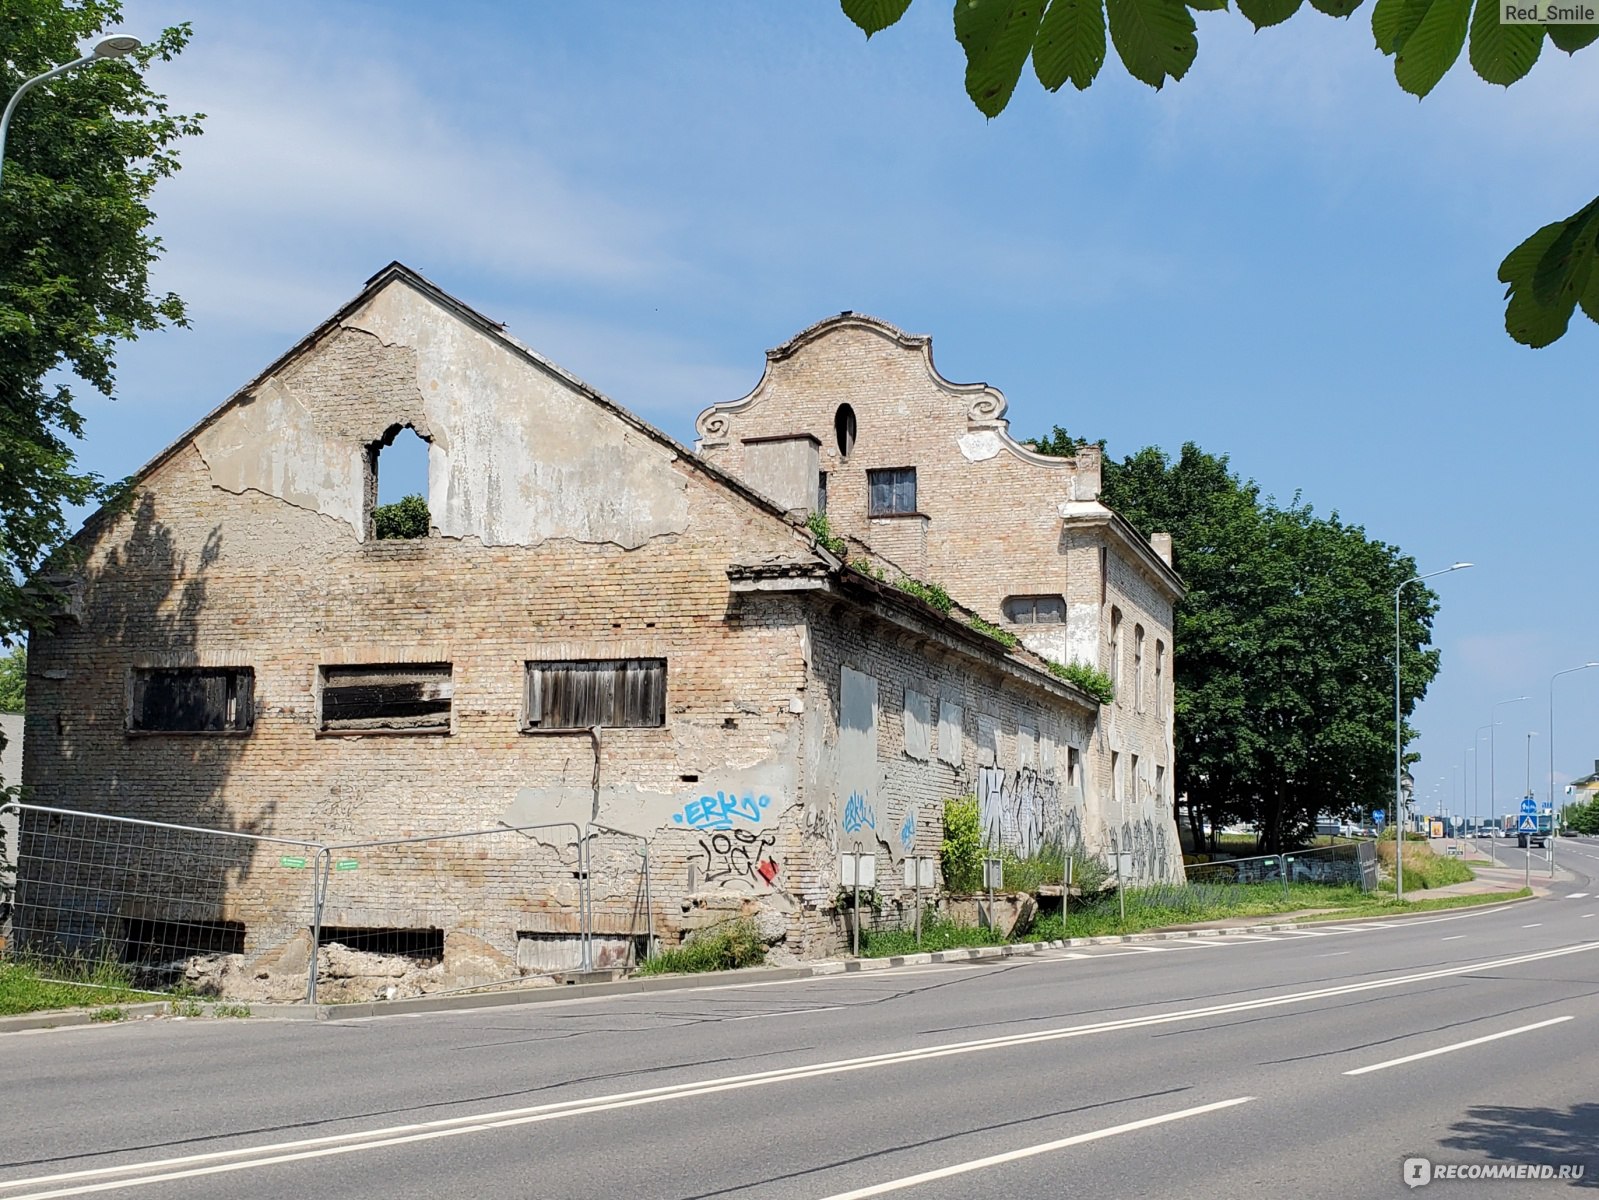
(1162, 546)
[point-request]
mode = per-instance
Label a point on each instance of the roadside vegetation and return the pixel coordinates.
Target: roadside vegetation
(735, 944)
(1423, 868)
(1171, 905)
(105, 985)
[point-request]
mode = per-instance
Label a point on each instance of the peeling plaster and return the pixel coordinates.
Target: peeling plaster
(523, 459)
(270, 443)
(980, 445)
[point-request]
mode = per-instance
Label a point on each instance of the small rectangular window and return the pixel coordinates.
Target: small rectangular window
(891, 491)
(401, 697)
(1035, 610)
(625, 693)
(192, 700)
(821, 491)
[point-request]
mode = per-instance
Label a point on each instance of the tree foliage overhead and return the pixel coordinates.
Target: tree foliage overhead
(82, 158)
(13, 680)
(1547, 277)
(1282, 648)
(407, 517)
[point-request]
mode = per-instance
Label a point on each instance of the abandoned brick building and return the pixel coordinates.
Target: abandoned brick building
(602, 627)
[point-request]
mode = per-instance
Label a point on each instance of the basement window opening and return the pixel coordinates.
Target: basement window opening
(191, 700)
(420, 945)
(152, 941)
(397, 495)
(628, 693)
(387, 698)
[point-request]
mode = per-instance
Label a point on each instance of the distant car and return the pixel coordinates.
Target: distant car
(1526, 840)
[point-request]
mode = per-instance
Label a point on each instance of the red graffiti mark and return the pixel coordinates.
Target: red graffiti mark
(767, 870)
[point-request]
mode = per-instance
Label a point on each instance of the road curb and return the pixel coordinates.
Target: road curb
(60, 1018)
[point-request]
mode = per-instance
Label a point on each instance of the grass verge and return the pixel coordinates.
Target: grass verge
(26, 988)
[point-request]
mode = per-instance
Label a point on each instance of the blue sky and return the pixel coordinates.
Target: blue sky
(1283, 258)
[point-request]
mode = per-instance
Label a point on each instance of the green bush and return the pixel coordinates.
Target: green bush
(1003, 636)
(823, 532)
(406, 518)
(961, 854)
(928, 593)
(938, 933)
(722, 948)
(1096, 683)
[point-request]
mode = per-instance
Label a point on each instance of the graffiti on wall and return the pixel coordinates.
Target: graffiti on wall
(859, 814)
(1145, 845)
(721, 810)
(737, 856)
(907, 830)
(1018, 808)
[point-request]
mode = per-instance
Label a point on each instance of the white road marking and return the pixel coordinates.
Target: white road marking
(994, 1160)
(1332, 954)
(372, 1139)
(1492, 1037)
(1454, 937)
(1577, 896)
(1534, 925)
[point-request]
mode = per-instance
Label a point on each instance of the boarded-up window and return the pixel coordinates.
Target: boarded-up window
(891, 492)
(950, 745)
(628, 693)
(404, 697)
(1035, 610)
(192, 700)
(918, 724)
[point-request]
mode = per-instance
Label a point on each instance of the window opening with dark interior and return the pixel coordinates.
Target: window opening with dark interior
(821, 491)
(617, 693)
(844, 429)
(395, 697)
(145, 940)
(419, 945)
(891, 492)
(1035, 610)
(192, 700)
(398, 492)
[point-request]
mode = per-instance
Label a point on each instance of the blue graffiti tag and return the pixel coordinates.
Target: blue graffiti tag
(721, 810)
(858, 814)
(907, 831)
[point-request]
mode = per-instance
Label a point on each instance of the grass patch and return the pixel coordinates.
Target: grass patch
(937, 934)
(1423, 868)
(723, 948)
(27, 986)
(238, 1011)
(111, 1013)
(1381, 904)
(186, 1007)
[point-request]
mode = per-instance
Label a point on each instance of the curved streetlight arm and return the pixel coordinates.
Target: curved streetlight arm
(11, 105)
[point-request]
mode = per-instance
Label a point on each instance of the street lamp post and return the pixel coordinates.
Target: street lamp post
(1530, 736)
(1493, 784)
(1399, 734)
(114, 45)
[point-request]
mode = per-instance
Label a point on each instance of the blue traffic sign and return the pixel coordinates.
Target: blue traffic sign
(1528, 823)
(1529, 807)
(1378, 817)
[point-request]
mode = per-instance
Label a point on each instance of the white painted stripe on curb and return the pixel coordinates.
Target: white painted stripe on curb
(1492, 1037)
(994, 1160)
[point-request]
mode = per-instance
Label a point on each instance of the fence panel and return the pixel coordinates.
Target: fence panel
(1335, 866)
(115, 901)
(450, 912)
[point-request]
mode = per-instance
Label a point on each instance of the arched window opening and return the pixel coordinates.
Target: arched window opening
(397, 488)
(844, 429)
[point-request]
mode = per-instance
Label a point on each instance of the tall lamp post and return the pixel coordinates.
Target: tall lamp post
(1568, 671)
(1399, 734)
(1530, 735)
(1493, 779)
(1471, 750)
(114, 45)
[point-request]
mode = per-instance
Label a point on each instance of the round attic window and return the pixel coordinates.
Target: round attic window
(844, 429)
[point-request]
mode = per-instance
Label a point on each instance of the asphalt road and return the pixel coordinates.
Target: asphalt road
(1304, 1064)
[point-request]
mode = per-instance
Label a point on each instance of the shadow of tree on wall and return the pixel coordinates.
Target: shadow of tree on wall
(1501, 1133)
(90, 889)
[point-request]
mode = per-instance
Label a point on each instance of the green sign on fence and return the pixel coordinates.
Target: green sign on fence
(292, 862)
(346, 864)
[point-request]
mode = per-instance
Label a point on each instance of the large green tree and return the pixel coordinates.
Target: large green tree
(84, 153)
(1282, 648)
(1548, 276)
(13, 680)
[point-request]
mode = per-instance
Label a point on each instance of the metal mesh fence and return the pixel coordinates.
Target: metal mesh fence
(1337, 865)
(450, 912)
(117, 902)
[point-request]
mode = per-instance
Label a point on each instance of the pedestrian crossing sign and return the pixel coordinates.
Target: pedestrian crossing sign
(1527, 824)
